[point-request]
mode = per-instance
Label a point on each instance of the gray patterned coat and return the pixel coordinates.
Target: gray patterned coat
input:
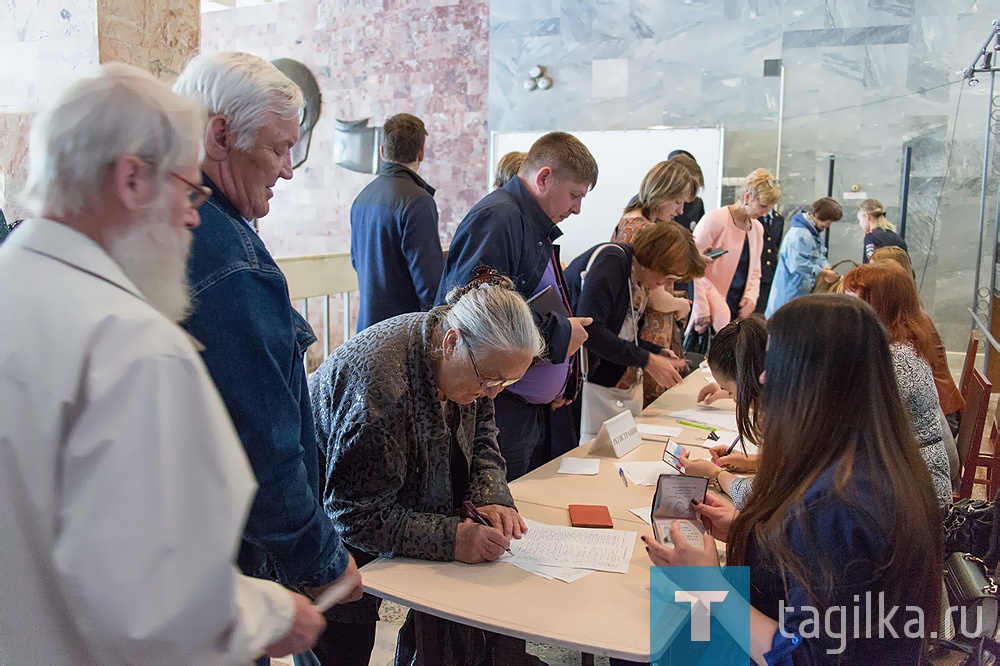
(387, 443)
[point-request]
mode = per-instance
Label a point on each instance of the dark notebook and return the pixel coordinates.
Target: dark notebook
(548, 301)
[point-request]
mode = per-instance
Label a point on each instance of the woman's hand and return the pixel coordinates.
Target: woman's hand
(711, 393)
(746, 307)
(475, 543)
(701, 324)
(698, 467)
(678, 363)
(737, 461)
(717, 514)
(662, 371)
(681, 553)
(505, 519)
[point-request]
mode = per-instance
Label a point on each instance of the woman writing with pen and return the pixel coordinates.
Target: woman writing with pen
(736, 358)
(408, 441)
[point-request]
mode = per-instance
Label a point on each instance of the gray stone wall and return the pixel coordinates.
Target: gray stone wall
(863, 79)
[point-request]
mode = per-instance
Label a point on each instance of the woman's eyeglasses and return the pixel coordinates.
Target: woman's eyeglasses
(486, 384)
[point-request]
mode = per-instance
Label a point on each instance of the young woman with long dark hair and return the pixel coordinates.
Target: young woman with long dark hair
(842, 502)
(736, 358)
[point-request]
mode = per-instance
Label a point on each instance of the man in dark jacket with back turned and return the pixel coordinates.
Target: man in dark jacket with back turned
(395, 248)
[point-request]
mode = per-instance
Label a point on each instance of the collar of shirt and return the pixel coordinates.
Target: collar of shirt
(534, 213)
(68, 246)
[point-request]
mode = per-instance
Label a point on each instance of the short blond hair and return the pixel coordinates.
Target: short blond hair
(762, 186)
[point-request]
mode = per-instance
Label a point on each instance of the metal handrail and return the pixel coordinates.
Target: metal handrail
(981, 325)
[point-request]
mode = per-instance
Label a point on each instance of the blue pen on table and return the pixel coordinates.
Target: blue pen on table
(621, 473)
(478, 517)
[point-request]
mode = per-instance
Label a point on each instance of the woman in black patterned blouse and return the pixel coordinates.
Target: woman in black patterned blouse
(404, 420)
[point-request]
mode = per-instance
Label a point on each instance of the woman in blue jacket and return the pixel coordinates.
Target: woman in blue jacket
(843, 510)
(802, 257)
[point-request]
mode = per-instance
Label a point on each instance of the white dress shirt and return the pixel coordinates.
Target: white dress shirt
(123, 485)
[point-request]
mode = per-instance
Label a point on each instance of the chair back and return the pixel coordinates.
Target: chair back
(969, 364)
(970, 430)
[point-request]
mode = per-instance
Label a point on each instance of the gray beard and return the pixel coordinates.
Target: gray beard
(153, 255)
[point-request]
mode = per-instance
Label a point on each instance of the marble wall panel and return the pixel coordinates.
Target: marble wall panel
(863, 78)
(45, 45)
(372, 60)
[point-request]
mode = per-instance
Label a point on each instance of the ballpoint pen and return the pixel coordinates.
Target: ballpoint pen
(621, 473)
(478, 517)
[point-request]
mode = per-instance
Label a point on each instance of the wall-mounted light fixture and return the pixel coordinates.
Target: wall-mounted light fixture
(537, 79)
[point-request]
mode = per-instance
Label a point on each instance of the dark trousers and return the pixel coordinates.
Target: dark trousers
(523, 434)
(345, 644)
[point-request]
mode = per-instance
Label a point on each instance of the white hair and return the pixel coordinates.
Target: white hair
(121, 110)
(243, 88)
(493, 318)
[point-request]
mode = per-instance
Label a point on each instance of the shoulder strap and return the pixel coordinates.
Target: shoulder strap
(584, 357)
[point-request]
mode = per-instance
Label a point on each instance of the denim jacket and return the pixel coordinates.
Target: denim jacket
(801, 258)
(254, 342)
(509, 231)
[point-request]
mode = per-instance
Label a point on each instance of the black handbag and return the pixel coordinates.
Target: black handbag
(968, 527)
(972, 610)
(698, 343)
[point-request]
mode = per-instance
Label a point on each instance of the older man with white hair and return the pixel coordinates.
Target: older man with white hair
(123, 487)
(254, 340)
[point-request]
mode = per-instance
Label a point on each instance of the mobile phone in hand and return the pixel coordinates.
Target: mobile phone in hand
(712, 253)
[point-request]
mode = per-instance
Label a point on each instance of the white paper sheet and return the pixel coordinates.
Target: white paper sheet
(646, 473)
(565, 574)
(579, 466)
(574, 547)
(657, 432)
(720, 417)
(644, 512)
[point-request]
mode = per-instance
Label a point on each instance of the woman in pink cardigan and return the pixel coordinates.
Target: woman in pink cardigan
(733, 228)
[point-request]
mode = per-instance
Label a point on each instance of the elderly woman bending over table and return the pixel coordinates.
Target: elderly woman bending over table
(404, 419)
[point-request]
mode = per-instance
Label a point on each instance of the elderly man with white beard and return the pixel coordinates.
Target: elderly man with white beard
(123, 486)
(254, 340)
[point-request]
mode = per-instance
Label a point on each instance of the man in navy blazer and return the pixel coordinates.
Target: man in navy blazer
(512, 230)
(395, 248)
